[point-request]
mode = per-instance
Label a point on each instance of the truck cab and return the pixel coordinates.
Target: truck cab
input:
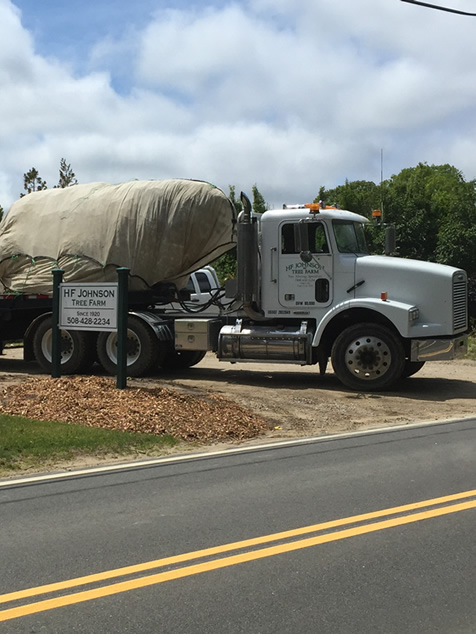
(311, 291)
(421, 299)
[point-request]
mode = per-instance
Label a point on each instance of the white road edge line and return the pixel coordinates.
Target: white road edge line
(223, 452)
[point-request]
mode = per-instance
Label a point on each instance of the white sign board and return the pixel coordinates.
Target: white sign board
(88, 306)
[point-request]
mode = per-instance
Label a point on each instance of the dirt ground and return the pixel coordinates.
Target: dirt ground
(297, 401)
(300, 402)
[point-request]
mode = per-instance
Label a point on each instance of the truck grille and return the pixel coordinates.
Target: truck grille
(460, 302)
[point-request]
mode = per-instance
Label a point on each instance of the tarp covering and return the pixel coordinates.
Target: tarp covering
(160, 230)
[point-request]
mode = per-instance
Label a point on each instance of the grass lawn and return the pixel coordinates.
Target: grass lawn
(32, 444)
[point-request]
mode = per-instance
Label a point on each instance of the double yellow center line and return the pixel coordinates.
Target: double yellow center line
(289, 541)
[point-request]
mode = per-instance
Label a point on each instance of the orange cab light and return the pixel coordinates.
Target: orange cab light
(384, 296)
(313, 206)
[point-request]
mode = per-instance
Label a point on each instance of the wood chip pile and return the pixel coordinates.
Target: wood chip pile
(96, 402)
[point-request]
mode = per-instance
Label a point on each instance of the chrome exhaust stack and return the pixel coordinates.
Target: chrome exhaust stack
(248, 261)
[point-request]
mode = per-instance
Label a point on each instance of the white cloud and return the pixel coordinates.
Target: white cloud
(288, 94)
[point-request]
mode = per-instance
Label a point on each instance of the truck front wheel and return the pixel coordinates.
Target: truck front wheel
(142, 349)
(77, 349)
(182, 359)
(368, 357)
(411, 368)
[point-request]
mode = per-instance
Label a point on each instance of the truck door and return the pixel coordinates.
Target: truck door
(305, 284)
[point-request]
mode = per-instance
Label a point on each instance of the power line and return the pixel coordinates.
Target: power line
(435, 6)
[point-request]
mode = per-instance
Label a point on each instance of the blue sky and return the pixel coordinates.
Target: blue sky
(287, 94)
(71, 29)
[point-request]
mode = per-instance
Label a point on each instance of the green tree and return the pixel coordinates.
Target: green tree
(32, 182)
(361, 197)
(67, 177)
(409, 206)
(432, 207)
(232, 196)
(434, 210)
(259, 203)
(225, 265)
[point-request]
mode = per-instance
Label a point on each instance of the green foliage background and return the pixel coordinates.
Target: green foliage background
(432, 207)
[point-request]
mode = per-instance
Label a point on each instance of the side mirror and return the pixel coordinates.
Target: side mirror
(390, 240)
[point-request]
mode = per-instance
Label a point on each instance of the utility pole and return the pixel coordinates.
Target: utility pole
(381, 183)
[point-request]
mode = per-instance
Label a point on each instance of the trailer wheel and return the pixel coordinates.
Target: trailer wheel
(411, 367)
(182, 359)
(142, 348)
(368, 357)
(77, 348)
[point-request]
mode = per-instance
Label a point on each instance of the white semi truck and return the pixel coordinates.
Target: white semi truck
(306, 288)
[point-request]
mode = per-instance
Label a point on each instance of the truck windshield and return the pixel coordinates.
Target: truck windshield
(350, 237)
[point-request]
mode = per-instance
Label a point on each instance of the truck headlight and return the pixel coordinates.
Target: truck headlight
(413, 314)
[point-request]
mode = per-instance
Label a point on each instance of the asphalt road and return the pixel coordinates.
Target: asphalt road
(367, 533)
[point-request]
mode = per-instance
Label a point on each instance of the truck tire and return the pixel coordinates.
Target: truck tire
(411, 367)
(77, 348)
(182, 359)
(142, 349)
(368, 357)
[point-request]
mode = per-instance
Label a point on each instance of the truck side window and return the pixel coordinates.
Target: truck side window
(203, 282)
(316, 237)
(287, 239)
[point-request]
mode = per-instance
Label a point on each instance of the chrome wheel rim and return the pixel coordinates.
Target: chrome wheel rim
(368, 358)
(66, 343)
(133, 347)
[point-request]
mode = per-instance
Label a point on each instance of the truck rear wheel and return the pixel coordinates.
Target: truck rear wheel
(142, 349)
(77, 349)
(182, 359)
(368, 357)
